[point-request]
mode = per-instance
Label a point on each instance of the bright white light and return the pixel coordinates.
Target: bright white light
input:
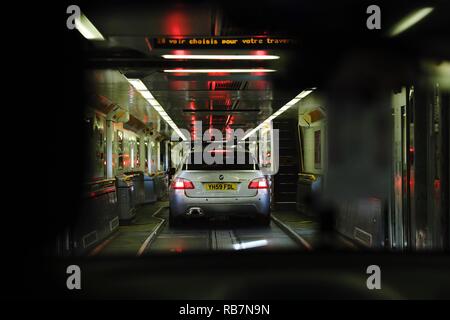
(304, 93)
(219, 57)
(289, 104)
(158, 108)
(132, 157)
(146, 94)
(276, 114)
(410, 20)
(217, 70)
(153, 101)
(250, 244)
(138, 85)
(87, 29)
(299, 97)
(292, 102)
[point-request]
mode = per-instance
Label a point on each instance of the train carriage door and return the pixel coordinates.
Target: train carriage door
(420, 170)
(399, 216)
(437, 208)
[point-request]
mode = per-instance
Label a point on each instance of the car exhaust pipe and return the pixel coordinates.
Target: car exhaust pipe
(195, 211)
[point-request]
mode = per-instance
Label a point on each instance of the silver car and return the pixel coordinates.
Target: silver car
(219, 190)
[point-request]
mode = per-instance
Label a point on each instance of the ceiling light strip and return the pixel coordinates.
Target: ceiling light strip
(87, 29)
(410, 20)
(219, 57)
(147, 95)
(218, 70)
(288, 105)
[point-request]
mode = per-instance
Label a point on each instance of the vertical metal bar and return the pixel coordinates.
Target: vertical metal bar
(421, 111)
(158, 156)
(149, 156)
(166, 155)
(445, 170)
(407, 189)
(109, 157)
(142, 152)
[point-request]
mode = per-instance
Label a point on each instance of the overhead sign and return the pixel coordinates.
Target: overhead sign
(255, 42)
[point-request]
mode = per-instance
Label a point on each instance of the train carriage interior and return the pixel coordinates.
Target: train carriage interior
(346, 128)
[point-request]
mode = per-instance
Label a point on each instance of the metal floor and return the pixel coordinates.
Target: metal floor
(150, 233)
(204, 235)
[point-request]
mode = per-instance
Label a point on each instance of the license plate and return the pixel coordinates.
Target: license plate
(220, 186)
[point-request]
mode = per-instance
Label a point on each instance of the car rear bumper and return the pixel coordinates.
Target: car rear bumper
(180, 205)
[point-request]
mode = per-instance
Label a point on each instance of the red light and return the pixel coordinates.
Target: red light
(177, 24)
(180, 183)
(260, 53)
(259, 183)
(437, 184)
(212, 85)
(218, 73)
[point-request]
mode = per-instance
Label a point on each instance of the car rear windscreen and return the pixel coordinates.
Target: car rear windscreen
(220, 161)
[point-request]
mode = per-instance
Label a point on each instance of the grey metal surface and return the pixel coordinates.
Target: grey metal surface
(97, 220)
(149, 187)
(125, 198)
(362, 221)
(242, 201)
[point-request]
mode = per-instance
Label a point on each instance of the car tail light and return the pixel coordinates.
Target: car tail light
(259, 183)
(180, 183)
